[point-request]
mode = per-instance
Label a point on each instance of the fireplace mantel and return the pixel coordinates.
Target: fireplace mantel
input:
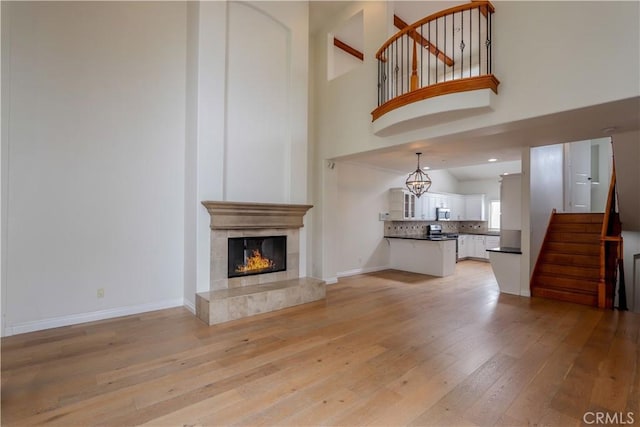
(242, 215)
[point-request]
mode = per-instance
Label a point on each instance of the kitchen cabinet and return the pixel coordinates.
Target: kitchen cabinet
(476, 245)
(456, 204)
(432, 201)
(402, 204)
(474, 207)
(463, 246)
(478, 248)
(435, 258)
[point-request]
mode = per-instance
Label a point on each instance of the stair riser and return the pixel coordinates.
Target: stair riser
(580, 218)
(574, 238)
(574, 248)
(565, 296)
(571, 260)
(576, 228)
(585, 286)
(575, 272)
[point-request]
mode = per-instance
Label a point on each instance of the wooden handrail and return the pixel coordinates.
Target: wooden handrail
(413, 27)
(606, 290)
(609, 205)
(452, 86)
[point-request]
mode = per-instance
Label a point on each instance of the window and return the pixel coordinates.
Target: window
(494, 215)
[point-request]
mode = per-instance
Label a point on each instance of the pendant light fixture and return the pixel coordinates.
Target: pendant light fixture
(418, 182)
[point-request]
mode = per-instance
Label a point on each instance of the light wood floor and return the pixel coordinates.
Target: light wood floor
(389, 348)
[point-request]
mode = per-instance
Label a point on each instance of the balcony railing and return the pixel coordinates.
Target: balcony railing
(449, 51)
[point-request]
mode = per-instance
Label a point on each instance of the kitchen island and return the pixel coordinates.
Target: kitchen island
(435, 256)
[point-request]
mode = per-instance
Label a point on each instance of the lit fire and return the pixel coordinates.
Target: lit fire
(255, 262)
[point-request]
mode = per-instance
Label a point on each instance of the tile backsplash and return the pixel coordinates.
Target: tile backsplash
(419, 228)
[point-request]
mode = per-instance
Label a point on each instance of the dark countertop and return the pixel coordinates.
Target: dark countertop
(480, 234)
(428, 238)
(506, 250)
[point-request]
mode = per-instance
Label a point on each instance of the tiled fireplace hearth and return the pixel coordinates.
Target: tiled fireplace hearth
(254, 227)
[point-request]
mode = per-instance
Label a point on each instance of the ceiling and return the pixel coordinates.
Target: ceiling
(505, 142)
(458, 152)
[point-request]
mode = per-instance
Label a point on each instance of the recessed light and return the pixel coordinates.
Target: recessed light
(426, 168)
(506, 173)
(609, 130)
(492, 160)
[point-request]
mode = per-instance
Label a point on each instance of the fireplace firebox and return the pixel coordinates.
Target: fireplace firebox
(256, 255)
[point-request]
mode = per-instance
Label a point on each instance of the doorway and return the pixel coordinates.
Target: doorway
(587, 175)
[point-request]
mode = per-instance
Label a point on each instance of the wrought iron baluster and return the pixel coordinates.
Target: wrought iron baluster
(429, 56)
(462, 45)
(470, 42)
(401, 63)
(437, 44)
(444, 63)
(421, 54)
(490, 43)
(479, 42)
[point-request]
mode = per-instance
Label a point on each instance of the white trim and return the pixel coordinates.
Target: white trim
(331, 280)
(356, 271)
(74, 319)
(189, 305)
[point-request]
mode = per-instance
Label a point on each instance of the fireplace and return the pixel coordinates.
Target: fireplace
(255, 261)
(256, 255)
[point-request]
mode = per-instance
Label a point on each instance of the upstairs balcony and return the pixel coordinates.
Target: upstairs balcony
(438, 68)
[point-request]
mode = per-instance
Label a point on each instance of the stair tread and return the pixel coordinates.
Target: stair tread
(568, 290)
(568, 266)
(562, 295)
(567, 277)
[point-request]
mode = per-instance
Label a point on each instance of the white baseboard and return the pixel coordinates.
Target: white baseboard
(74, 319)
(189, 306)
(361, 271)
(331, 280)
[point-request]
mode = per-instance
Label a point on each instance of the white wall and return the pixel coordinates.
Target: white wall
(363, 192)
(631, 241)
(546, 183)
(138, 121)
(3, 170)
(626, 151)
(95, 147)
(489, 187)
(250, 138)
(520, 27)
(441, 181)
(555, 28)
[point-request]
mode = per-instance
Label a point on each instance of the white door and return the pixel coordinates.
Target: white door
(580, 177)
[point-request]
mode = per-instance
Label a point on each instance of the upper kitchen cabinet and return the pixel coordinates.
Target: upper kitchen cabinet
(431, 201)
(456, 204)
(474, 207)
(402, 205)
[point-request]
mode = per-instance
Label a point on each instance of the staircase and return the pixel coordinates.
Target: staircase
(568, 267)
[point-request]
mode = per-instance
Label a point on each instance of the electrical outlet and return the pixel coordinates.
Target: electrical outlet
(101, 293)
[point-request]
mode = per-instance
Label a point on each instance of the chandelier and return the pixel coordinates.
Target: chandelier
(418, 182)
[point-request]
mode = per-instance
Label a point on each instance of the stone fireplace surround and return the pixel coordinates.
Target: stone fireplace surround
(238, 297)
